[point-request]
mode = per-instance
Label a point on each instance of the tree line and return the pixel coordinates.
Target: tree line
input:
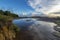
(8, 13)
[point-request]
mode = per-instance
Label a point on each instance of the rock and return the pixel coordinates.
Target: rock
(57, 28)
(57, 34)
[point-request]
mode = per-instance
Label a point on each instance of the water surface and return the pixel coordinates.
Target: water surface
(40, 29)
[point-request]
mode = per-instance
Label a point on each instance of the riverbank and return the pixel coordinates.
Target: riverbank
(7, 29)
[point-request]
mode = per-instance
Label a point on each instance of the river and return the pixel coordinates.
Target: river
(41, 30)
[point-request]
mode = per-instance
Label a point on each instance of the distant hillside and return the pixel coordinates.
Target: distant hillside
(54, 14)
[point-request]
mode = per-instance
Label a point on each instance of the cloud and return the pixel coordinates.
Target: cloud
(45, 6)
(56, 8)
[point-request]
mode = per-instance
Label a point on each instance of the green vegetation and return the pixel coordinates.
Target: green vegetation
(7, 29)
(8, 13)
(57, 21)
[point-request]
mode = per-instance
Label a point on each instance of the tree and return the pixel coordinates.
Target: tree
(1, 12)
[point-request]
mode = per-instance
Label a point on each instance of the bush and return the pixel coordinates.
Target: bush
(8, 13)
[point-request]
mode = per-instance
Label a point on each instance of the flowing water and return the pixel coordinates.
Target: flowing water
(41, 30)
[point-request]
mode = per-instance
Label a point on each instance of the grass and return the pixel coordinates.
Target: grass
(7, 29)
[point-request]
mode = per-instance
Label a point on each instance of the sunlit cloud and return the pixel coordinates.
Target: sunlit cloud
(56, 8)
(45, 6)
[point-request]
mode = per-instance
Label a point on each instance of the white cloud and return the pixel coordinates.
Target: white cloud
(45, 6)
(24, 13)
(56, 8)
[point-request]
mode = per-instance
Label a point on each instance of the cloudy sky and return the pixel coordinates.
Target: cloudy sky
(31, 6)
(18, 6)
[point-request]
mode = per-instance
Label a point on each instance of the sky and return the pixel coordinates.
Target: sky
(17, 6)
(31, 7)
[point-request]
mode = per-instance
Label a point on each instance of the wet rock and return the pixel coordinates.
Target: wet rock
(57, 34)
(57, 28)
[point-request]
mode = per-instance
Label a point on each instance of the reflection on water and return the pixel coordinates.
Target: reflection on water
(24, 23)
(40, 29)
